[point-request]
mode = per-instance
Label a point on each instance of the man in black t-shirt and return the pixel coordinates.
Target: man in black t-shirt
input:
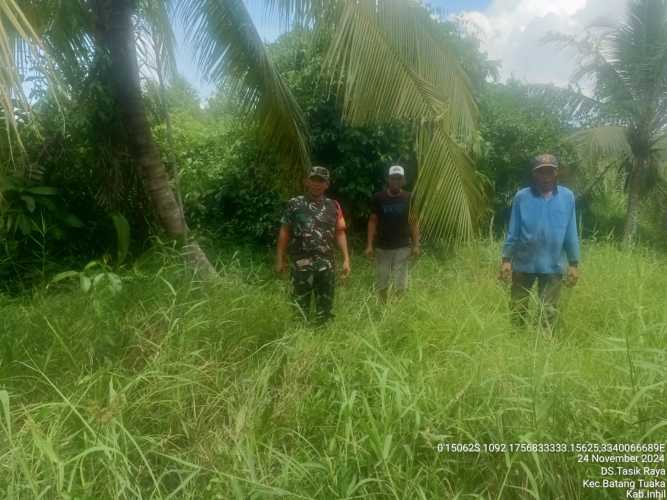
(393, 234)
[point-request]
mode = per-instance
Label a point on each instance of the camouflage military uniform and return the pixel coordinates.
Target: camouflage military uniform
(313, 227)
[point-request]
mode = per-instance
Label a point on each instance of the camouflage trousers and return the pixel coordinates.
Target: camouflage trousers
(548, 294)
(318, 285)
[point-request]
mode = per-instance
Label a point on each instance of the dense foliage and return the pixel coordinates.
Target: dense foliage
(358, 157)
(231, 182)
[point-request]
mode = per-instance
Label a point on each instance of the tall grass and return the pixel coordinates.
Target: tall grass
(180, 389)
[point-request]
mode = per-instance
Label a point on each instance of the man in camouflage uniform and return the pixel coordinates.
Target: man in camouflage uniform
(310, 227)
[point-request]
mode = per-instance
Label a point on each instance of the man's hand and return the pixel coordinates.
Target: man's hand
(416, 250)
(346, 269)
(506, 272)
(369, 252)
(572, 276)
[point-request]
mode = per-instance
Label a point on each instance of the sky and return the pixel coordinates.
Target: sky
(510, 31)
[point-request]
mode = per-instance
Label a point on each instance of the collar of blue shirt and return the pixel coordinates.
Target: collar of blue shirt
(537, 194)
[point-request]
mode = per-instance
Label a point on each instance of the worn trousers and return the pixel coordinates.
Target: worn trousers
(548, 292)
(392, 265)
(309, 284)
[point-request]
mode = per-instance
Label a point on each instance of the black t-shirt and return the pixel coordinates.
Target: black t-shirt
(393, 229)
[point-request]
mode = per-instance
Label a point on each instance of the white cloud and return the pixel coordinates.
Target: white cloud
(511, 32)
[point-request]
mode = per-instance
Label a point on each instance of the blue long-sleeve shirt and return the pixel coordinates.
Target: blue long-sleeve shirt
(541, 231)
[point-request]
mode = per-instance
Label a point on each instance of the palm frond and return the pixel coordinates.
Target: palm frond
(389, 61)
(155, 38)
(448, 201)
(628, 63)
(595, 60)
(392, 64)
(67, 31)
(606, 156)
(571, 102)
(230, 52)
(659, 151)
(300, 12)
(640, 54)
(594, 144)
(20, 47)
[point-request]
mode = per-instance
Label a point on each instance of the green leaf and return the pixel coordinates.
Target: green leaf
(42, 190)
(85, 283)
(122, 227)
(4, 404)
(72, 221)
(29, 202)
(65, 275)
(97, 279)
(115, 283)
(46, 202)
(24, 224)
(92, 264)
(44, 444)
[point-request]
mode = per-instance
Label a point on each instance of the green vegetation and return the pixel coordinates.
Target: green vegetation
(628, 63)
(178, 389)
(518, 123)
(125, 376)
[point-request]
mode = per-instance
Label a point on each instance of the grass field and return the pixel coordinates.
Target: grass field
(175, 389)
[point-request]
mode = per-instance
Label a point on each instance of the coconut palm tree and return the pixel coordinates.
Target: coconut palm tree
(387, 59)
(629, 66)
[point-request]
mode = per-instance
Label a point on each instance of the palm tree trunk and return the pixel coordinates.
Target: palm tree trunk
(164, 109)
(634, 199)
(127, 93)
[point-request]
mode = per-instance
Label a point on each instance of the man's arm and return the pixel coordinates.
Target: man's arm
(341, 241)
(571, 246)
(571, 242)
(513, 232)
(283, 240)
(373, 220)
(372, 231)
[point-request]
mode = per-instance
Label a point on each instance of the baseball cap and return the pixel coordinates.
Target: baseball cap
(396, 170)
(545, 160)
(319, 172)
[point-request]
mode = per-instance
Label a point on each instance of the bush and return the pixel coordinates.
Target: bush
(34, 224)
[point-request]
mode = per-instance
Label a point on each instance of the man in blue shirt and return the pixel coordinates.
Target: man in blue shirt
(542, 234)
